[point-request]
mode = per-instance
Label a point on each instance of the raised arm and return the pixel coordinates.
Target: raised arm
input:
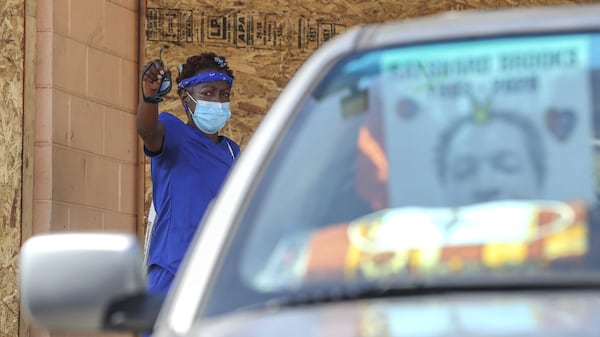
(149, 128)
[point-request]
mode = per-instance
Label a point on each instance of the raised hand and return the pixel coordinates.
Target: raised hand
(156, 78)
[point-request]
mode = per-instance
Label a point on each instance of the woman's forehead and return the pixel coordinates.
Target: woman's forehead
(218, 85)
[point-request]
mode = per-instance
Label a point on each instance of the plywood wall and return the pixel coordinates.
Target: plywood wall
(266, 41)
(11, 137)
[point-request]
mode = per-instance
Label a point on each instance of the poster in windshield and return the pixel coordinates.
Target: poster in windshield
(495, 120)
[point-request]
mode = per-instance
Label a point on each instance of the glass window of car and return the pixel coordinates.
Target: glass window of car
(445, 162)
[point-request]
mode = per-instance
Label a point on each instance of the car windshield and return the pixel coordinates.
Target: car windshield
(456, 161)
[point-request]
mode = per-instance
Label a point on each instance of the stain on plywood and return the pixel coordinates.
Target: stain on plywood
(11, 138)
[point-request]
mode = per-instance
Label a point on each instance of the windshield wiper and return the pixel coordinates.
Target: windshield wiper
(436, 286)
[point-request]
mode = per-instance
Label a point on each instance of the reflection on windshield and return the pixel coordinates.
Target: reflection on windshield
(494, 236)
(414, 228)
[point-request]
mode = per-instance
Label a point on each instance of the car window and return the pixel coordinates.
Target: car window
(462, 160)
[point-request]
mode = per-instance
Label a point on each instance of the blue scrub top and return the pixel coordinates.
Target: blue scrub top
(186, 175)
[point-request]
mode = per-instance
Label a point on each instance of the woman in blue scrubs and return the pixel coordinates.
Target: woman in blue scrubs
(189, 161)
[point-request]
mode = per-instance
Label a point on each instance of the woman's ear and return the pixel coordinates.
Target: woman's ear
(184, 102)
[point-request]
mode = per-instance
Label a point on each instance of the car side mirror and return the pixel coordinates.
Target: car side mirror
(86, 282)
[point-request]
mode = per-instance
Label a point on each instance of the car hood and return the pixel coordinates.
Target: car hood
(547, 313)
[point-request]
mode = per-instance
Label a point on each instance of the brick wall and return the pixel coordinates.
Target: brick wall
(86, 94)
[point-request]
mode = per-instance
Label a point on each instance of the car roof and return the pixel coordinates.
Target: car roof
(479, 23)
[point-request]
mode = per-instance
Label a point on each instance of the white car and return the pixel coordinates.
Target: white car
(431, 177)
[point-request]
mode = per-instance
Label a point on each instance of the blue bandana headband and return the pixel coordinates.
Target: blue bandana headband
(206, 77)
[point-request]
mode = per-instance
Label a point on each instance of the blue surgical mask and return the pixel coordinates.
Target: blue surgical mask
(210, 117)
